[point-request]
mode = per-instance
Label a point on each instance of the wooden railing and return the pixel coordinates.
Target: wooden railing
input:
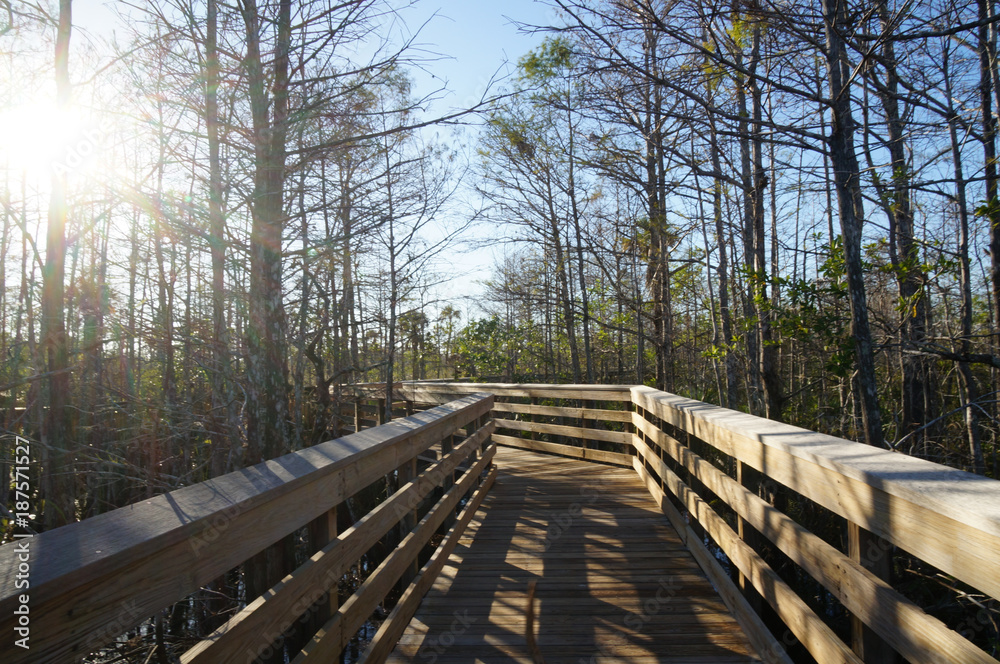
(721, 477)
(582, 421)
(736, 487)
(94, 580)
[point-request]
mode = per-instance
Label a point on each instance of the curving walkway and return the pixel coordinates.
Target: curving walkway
(615, 582)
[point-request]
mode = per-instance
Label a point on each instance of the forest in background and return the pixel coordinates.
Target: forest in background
(789, 209)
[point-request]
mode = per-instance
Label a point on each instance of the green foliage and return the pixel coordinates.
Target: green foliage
(814, 312)
(741, 31)
(481, 347)
(552, 59)
(989, 209)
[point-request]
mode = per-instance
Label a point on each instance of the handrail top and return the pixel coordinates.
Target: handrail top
(556, 391)
(965, 497)
(117, 537)
(960, 495)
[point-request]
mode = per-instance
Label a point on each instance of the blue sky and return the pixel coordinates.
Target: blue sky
(474, 36)
(475, 40)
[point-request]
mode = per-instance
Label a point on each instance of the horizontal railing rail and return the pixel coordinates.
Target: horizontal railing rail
(722, 477)
(581, 421)
(94, 580)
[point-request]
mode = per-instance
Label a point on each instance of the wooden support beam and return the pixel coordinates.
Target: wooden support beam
(330, 641)
(603, 456)
(154, 553)
(902, 624)
(392, 627)
(619, 437)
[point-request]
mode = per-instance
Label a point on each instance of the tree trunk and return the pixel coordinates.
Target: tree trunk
(767, 357)
(267, 401)
(904, 251)
(563, 284)
(846, 174)
(226, 449)
(987, 55)
(847, 182)
(731, 396)
(575, 210)
(267, 407)
(968, 381)
(59, 480)
(753, 337)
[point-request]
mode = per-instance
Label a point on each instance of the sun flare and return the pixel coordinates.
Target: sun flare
(39, 140)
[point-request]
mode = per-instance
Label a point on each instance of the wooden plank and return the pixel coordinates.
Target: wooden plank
(83, 574)
(620, 437)
(947, 517)
(322, 533)
(561, 411)
(633, 590)
(261, 622)
(555, 448)
(392, 628)
(821, 642)
(336, 634)
(903, 624)
(763, 641)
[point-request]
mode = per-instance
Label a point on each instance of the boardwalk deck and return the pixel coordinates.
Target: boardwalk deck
(615, 582)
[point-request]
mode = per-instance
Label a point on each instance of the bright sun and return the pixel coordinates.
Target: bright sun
(38, 140)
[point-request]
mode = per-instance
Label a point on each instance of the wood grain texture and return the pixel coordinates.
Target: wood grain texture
(260, 623)
(600, 414)
(614, 579)
(395, 623)
(821, 642)
(620, 437)
(330, 641)
(947, 517)
(768, 648)
(616, 458)
(419, 390)
(95, 579)
(904, 625)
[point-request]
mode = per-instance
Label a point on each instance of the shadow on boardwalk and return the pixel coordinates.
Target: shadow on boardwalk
(615, 583)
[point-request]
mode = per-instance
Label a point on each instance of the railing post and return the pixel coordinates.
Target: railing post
(357, 414)
(690, 479)
(750, 478)
(447, 445)
(474, 426)
(534, 418)
(408, 522)
(322, 531)
(875, 555)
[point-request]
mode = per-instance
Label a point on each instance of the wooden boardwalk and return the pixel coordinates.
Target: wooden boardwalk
(615, 582)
